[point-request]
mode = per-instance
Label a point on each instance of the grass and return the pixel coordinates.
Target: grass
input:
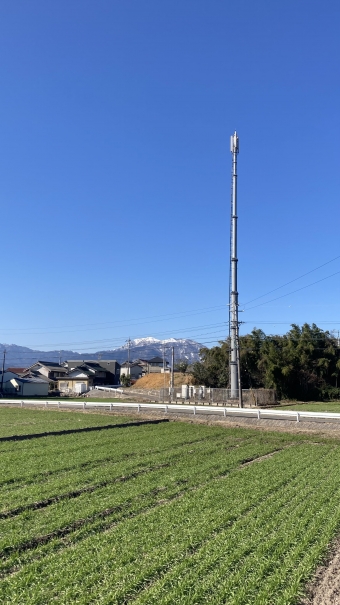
(314, 406)
(168, 513)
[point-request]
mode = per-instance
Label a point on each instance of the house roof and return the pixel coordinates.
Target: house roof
(35, 380)
(130, 364)
(34, 374)
(50, 365)
(156, 360)
(16, 370)
(99, 361)
(74, 373)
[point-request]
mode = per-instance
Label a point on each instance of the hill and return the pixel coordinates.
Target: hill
(141, 348)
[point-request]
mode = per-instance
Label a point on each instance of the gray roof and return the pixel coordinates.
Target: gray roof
(130, 364)
(50, 365)
(35, 380)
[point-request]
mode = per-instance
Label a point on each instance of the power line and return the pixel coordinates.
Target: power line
(293, 280)
(85, 342)
(122, 323)
(293, 292)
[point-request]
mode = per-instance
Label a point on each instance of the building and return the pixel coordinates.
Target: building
(153, 365)
(111, 367)
(30, 387)
(132, 369)
(85, 375)
(50, 370)
(18, 371)
(23, 387)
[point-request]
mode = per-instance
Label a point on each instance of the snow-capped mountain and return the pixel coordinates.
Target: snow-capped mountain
(140, 348)
(144, 348)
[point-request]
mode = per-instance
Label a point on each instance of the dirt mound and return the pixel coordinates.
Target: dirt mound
(158, 381)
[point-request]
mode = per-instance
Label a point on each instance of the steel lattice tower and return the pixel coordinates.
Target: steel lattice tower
(233, 294)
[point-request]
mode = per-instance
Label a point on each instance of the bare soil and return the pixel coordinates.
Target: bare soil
(324, 589)
(157, 381)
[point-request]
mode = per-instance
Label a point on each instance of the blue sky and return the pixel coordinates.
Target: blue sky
(115, 167)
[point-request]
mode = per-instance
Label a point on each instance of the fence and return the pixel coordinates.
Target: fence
(196, 395)
(257, 414)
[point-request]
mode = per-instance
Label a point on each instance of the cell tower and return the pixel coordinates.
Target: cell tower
(233, 294)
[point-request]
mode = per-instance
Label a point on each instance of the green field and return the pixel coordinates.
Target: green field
(170, 513)
(314, 406)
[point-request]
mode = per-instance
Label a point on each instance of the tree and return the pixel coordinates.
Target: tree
(302, 364)
(213, 369)
(181, 365)
(125, 380)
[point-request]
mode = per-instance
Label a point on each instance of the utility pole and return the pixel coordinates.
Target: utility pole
(129, 343)
(163, 371)
(3, 371)
(233, 295)
(172, 372)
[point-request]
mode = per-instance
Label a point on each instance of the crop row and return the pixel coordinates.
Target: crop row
(220, 542)
(169, 475)
(152, 480)
(110, 470)
(21, 421)
(257, 543)
(78, 455)
(22, 462)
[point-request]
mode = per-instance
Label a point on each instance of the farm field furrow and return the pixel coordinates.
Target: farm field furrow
(47, 456)
(23, 528)
(111, 473)
(167, 513)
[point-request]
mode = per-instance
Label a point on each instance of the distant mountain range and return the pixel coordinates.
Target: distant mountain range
(140, 348)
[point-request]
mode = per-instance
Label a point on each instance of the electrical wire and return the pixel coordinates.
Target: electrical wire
(120, 323)
(293, 292)
(293, 280)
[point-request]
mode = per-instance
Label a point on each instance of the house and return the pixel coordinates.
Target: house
(111, 367)
(30, 387)
(156, 365)
(23, 387)
(132, 369)
(78, 381)
(80, 378)
(48, 370)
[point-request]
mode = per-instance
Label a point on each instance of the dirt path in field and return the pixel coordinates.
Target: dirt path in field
(325, 587)
(331, 429)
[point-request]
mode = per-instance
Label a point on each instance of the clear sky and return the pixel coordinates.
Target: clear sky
(115, 123)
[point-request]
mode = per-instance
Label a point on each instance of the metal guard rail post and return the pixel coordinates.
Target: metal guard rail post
(257, 413)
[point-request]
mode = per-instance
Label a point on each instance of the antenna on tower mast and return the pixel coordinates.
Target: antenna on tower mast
(234, 354)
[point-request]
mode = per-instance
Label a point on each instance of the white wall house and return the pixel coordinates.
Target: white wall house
(30, 387)
(134, 370)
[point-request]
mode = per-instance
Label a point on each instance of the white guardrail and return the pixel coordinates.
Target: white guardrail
(264, 414)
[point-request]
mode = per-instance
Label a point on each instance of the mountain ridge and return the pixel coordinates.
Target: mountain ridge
(140, 348)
